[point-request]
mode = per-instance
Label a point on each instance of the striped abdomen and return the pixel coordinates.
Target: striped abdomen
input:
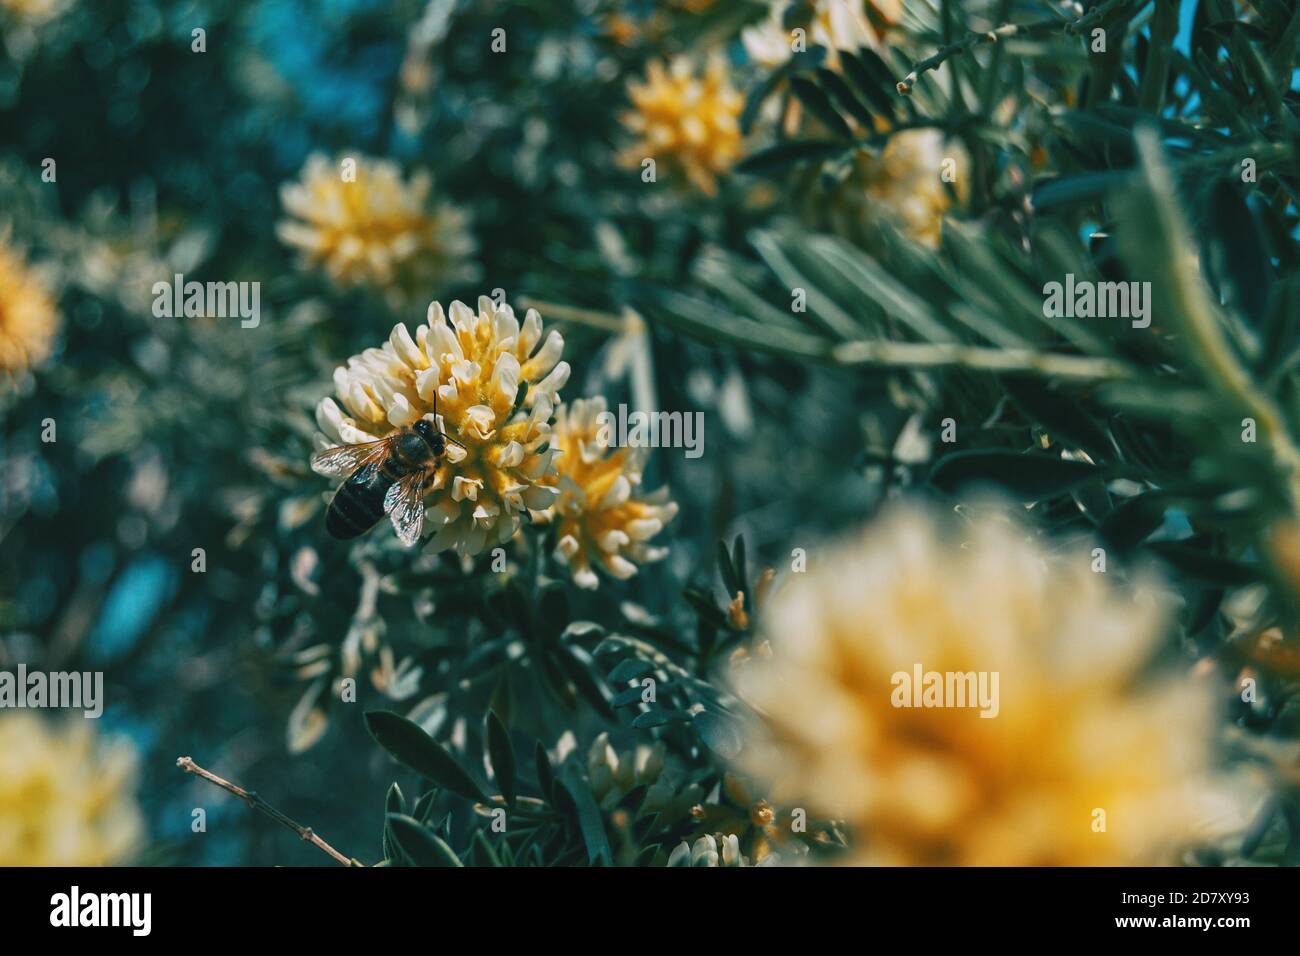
(359, 503)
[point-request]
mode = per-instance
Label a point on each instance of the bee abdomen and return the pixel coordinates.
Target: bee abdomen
(356, 508)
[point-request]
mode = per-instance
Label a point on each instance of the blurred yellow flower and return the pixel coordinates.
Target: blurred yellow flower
(477, 363)
(834, 24)
(29, 320)
(903, 184)
(65, 798)
(603, 520)
(364, 224)
(1081, 761)
(688, 123)
(35, 11)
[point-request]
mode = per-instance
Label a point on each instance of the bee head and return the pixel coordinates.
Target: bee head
(432, 437)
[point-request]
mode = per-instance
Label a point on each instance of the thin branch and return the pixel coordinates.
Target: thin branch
(257, 803)
(945, 53)
(1006, 31)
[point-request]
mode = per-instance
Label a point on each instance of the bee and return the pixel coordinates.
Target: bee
(384, 477)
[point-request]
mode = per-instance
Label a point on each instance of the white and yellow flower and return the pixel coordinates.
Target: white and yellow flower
(476, 362)
(376, 228)
(603, 519)
(686, 121)
(1085, 762)
(65, 797)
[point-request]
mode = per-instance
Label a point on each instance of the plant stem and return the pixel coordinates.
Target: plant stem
(945, 53)
(568, 313)
(1164, 27)
(1006, 31)
(689, 316)
(257, 803)
(1199, 325)
(939, 354)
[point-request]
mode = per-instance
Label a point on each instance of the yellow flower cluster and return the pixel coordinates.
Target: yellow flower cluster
(603, 519)
(65, 799)
(688, 123)
(476, 363)
(1080, 761)
(361, 222)
(28, 318)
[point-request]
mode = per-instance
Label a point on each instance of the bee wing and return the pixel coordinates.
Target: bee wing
(404, 504)
(341, 460)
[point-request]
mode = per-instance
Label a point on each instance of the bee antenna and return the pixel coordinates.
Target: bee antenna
(438, 425)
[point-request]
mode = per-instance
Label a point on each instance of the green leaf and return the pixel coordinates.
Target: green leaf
(1030, 477)
(632, 800)
(424, 806)
(481, 851)
(579, 672)
(730, 580)
(1092, 131)
(630, 668)
(575, 630)
(1063, 414)
(1130, 523)
(1238, 258)
(658, 717)
(711, 323)
(502, 756)
(738, 561)
(869, 75)
(630, 696)
(706, 608)
(718, 733)
(758, 96)
(423, 847)
(590, 821)
(1203, 566)
(845, 97)
(1052, 193)
(411, 746)
(643, 827)
(545, 774)
(645, 856)
(394, 802)
(501, 700)
(777, 158)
